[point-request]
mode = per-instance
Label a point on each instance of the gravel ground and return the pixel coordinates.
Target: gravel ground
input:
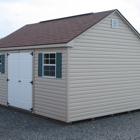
(15, 125)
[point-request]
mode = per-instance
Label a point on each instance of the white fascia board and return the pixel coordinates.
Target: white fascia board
(115, 11)
(127, 22)
(69, 44)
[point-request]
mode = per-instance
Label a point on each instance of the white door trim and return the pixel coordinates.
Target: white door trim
(20, 90)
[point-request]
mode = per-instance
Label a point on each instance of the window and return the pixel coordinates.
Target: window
(114, 23)
(49, 64)
(0, 63)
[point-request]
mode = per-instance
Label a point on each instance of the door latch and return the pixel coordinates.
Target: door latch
(19, 81)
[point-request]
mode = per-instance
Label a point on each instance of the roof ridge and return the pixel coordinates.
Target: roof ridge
(105, 11)
(66, 17)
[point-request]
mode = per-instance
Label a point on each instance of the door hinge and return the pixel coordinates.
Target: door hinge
(31, 53)
(31, 82)
(8, 80)
(7, 103)
(7, 54)
(31, 109)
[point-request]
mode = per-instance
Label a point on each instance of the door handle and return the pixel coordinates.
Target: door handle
(19, 81)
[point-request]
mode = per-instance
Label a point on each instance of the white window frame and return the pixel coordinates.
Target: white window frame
(0, 63)
(48, 64)
(114, 23)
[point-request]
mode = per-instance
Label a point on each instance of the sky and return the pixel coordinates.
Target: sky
(14, 14)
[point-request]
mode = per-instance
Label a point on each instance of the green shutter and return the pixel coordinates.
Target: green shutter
(40, 64)
(2, 63)
(58, 65)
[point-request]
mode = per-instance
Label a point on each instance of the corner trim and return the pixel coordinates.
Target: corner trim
(67, 97)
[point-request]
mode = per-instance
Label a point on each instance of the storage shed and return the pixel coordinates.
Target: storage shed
(72, 68)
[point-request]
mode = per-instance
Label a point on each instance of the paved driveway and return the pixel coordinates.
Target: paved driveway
(15, 125)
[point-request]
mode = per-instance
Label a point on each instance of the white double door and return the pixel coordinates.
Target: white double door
(19, 78)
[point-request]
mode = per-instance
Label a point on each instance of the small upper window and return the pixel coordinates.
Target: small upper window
(49, 64)
(0, 63)
(114, 23)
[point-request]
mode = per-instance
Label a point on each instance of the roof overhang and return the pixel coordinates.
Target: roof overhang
(62, 45)
(127, 22)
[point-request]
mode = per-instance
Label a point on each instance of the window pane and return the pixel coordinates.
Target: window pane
(46, 55)
(49, 69)
(46, 61)
(46, 68)
(52, 68)
(46, 73)
(52, 55)
(52, 61)
(52, 73)
(0, 68)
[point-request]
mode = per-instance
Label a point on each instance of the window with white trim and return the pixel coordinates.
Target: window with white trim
(0, 63)
(49, 64)
(114, 23)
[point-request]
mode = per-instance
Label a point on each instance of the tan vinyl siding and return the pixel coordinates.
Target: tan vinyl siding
(3, 83)
(104, 71)
(50, 94)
